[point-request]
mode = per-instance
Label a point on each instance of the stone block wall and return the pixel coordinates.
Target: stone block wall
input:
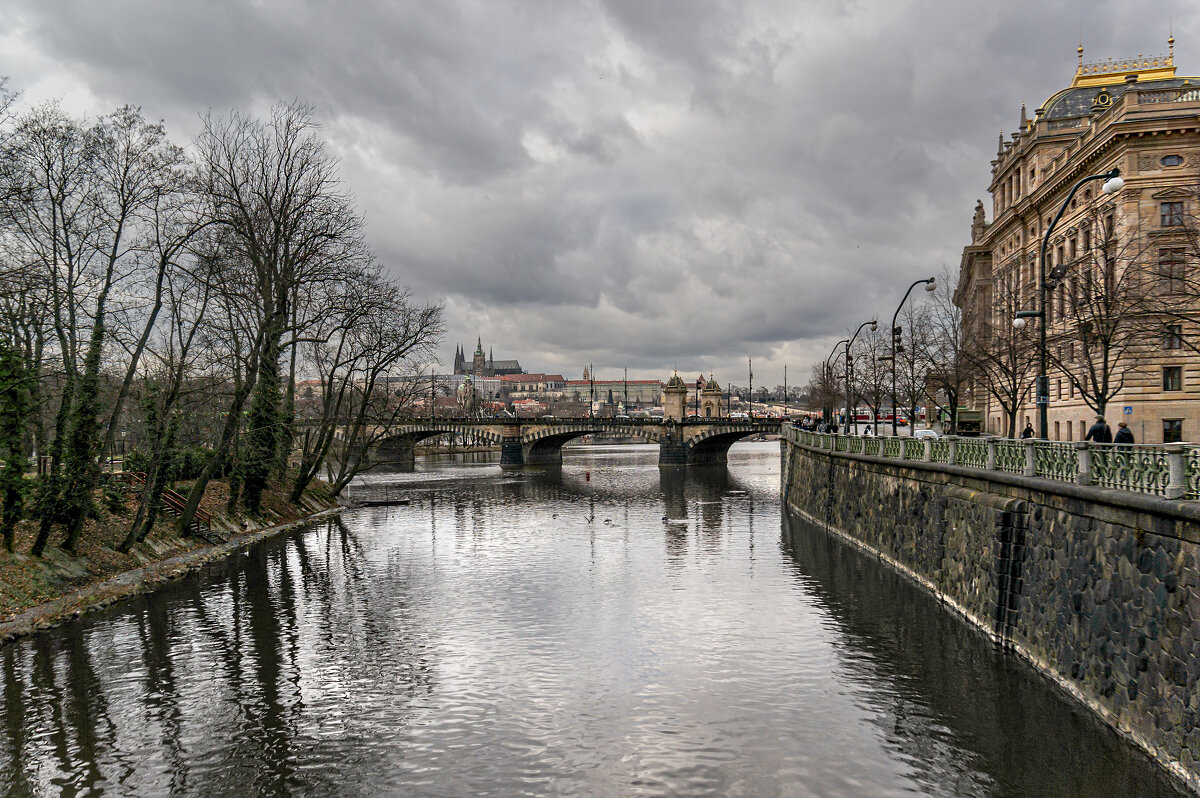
(1098, 589)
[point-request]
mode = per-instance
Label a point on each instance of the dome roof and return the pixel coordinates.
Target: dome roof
(676, 382)
(712, 386)
(1077, 100)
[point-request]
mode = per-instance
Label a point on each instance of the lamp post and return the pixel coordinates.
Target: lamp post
(1112, 184)
(930, 285)
(827, 410)
(874, 326)
(750, 370)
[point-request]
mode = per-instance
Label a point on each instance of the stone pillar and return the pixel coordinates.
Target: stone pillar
(511, 455)
(929, 450)
(952, 459)
(1176, 471)
(1083, 455)
(672, 451)
(1030, 457)
(990, 465)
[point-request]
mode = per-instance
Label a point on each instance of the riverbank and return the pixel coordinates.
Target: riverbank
(37, 593)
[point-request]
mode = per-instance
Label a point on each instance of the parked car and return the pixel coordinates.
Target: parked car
(926, 433)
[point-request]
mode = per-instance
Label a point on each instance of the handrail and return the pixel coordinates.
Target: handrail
(1170, 470)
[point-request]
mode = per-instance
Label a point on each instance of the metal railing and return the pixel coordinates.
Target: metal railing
(1171, 470)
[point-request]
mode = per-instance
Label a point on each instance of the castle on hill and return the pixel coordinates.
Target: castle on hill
(481, 366)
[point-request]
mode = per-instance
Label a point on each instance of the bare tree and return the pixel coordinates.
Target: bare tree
(274, 188)
(870, 371)
(946, 364)
(1002, 357)
(1103, 307)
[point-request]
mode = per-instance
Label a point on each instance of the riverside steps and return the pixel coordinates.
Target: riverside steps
(1080, 558)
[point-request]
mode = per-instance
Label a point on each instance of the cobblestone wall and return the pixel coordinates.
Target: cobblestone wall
(1099, 590)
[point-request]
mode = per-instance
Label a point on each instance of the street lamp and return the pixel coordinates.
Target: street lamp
(827, 374)
(1112, 184)
(930, 285)
(874, 326)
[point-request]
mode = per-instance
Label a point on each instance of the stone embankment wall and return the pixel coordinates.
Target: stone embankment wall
(1098, 589)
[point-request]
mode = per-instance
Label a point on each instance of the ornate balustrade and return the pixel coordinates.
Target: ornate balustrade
(1171, 470)
(1183, 94)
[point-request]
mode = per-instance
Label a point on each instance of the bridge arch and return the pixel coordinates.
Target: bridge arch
(712, 446)
(399, 449)
(543, 445)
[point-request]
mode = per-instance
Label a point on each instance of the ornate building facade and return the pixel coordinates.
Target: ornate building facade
(1120, 306)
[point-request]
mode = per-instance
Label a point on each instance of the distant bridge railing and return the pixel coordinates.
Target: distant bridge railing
(1170, 470)
(766, 423)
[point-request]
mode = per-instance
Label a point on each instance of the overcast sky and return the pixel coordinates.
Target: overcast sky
(628, 183)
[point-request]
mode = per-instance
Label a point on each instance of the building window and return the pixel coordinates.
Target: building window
(1172, 378)
(1171, 160)
(1070, 430)
(1056, 428)
(1172, 430)
(1172, 214)
(1173, 336)
(1171, 270)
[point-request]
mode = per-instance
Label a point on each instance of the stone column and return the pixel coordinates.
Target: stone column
(952, 459)
(1083, 455)
(929, 450)
(1030, 457)
(990, 465)
(1176, 471)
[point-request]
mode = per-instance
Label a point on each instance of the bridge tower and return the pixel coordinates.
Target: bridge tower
(675, 398)
(710, 399)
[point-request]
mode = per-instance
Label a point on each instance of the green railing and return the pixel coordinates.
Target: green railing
(1143, 469)
(1169, 470)
(1010, 455)
(1056, 461)
(912, 449)
(972, 453)
(1192, 469)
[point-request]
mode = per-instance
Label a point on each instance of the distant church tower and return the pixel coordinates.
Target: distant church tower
(478, 363)
(460, 360)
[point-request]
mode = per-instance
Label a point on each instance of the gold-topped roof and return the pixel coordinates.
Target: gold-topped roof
(1110, 72)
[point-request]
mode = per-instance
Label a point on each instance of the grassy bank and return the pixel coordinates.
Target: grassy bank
(40, 591)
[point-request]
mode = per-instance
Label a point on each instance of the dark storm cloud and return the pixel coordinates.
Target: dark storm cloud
(625, 183)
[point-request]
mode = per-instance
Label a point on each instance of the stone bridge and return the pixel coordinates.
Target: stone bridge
(540, 441)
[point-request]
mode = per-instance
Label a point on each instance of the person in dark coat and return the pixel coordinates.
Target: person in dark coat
(1100, 432)
(1124, 434)
(1028, 431)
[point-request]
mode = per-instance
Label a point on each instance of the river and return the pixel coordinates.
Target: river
(603, 629)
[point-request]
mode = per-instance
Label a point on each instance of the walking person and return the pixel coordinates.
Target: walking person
(1124, 434)
(1100, 432)
(1028, 431)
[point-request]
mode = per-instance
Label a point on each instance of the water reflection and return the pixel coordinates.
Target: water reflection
(603, 628)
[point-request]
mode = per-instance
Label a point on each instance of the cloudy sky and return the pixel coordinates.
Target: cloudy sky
(630, 183)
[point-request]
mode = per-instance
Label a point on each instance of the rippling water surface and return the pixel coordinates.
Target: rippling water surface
(605, 629)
